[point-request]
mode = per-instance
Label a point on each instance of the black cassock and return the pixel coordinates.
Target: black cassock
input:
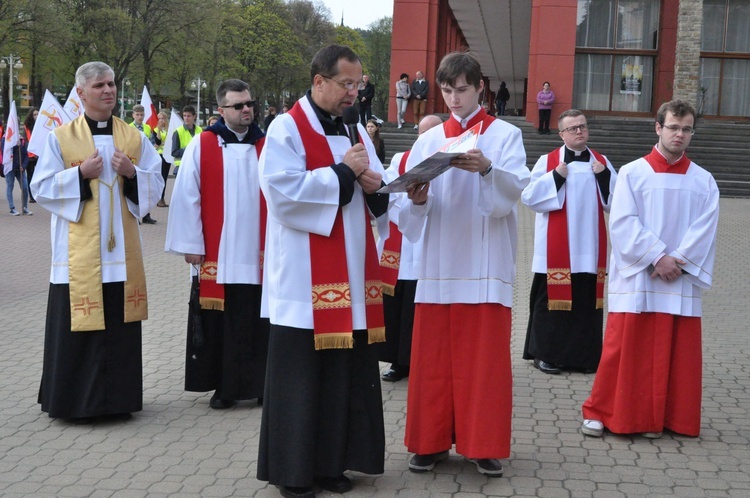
(92, 373)
(232, 358)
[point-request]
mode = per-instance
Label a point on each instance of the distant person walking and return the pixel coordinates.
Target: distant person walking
(503, 96)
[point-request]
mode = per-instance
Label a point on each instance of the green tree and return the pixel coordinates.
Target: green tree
(378, 62)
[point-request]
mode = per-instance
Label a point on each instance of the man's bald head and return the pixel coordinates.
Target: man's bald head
(429, 121)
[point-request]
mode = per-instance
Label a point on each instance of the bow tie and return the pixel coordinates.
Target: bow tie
(570, 156)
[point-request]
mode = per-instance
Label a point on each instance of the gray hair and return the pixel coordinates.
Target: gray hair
(92, 70)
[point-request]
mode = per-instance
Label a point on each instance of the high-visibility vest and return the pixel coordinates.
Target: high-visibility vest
(185, 137)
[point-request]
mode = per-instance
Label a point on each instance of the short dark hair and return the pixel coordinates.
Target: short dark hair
(456, 64)
(189, 108)
(232, 85)
(570, 113)
(403, 75)
(679, 108)
(326, 61)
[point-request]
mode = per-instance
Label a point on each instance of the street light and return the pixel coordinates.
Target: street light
(125, 82)
(11, 62)
(198, 86)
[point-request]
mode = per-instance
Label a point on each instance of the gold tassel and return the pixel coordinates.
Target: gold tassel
(334, 341)
(389, 290)
(375, 335)
(599, 303)
(559, 305)
(111, 243)
(212, 303)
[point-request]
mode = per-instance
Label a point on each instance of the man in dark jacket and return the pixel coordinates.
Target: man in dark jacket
(419, 89)
(364, 97)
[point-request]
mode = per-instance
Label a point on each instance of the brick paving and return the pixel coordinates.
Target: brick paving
(178, 446)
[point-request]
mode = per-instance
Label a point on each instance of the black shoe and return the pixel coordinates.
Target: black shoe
(33, 201)
(425, 463)
(220, 404)
(489, 467)
(260, 401)
(295, 492)
(340, 484)
(545, 367)
(148, 219)
(395, 373)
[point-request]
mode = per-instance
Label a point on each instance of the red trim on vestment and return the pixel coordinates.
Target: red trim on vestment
(559, 283)
(390, 260)
(660, 165)
(452, 127)
(650, 375)
(332, 306)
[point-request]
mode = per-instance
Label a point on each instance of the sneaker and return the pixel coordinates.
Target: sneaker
(399, 126)
(416, 126)
(593, 428)
(27, 212)
(651, 435)
(425, 463)
(13, 212)
(489, 467)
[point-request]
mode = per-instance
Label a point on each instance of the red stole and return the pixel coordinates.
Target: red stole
(390, 260)
(452, 127)
(559, 288)
(212, 216)
(660, 165)
(331, 297)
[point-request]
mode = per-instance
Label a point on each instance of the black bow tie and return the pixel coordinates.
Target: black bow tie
(571, 156)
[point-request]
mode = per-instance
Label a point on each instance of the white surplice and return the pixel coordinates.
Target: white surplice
(654, 213)
(581, 194)
(470, 235)
(239, 246)
(301, 202)
(57, 190)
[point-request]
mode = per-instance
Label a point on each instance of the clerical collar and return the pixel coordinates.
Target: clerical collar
(665, 157)
(465, 121)
(99, 127)
(240, 136)
(332, 125)
(576, 155)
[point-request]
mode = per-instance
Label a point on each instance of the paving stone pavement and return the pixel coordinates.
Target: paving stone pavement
(178, 446)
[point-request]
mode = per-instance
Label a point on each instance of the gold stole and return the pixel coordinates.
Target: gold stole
(84, 237)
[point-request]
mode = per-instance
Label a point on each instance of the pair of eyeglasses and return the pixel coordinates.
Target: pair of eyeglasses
(576, 129)
(687, 130)
(348, 85)
(238, 107)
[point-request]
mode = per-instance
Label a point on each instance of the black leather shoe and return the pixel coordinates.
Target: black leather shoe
(149, 220)
(340, 484)
(489, 467)
(294, 492)
(220, 404)
(395, 373)
(425, 463)
(545, 367)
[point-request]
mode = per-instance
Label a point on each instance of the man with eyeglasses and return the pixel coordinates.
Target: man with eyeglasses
(217, 222)
(665, 210)
(569, 191)
(323, 412)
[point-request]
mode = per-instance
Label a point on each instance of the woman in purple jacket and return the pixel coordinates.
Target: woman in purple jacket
(545, 99)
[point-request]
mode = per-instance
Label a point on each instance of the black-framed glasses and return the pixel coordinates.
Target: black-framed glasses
(687, 130)
(240, 105)
(577, 128)
(348, 85)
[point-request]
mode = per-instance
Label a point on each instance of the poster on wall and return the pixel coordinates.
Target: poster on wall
(632, 79)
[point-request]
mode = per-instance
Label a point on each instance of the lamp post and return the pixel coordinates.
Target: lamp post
(11, 62)
(199, 85)
(125, 82)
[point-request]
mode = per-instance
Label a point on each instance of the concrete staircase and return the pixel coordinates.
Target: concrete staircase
(722, 147)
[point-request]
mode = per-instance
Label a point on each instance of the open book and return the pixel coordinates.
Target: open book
(436, 164)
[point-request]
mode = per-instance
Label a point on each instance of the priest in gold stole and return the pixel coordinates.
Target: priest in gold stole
(97, 176)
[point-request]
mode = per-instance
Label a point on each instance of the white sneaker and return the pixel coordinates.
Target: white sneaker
(593, 428)
(27, 212)
(651, 435)
(13, 212)
(416, 127)
(399, 126)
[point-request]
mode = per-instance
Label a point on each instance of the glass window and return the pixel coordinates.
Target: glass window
(714, 13)
(708, 93)
(738, 20)
(596, 23)
(638, 24)
(735, 88)
(592, 82)
(636, 81)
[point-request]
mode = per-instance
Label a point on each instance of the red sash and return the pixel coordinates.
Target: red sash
(390, 260)
(559, 289)
(660, 165)
(212, 217)
(331, 297)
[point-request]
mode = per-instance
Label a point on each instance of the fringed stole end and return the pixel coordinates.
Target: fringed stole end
(599, 303)
(388, 289)
(335, 340)
(376, 334)
(212, 303)
(559, 305)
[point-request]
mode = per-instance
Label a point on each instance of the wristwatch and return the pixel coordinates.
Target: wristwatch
(486, 172)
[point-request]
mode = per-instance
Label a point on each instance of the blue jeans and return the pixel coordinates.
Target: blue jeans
(10, 180)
